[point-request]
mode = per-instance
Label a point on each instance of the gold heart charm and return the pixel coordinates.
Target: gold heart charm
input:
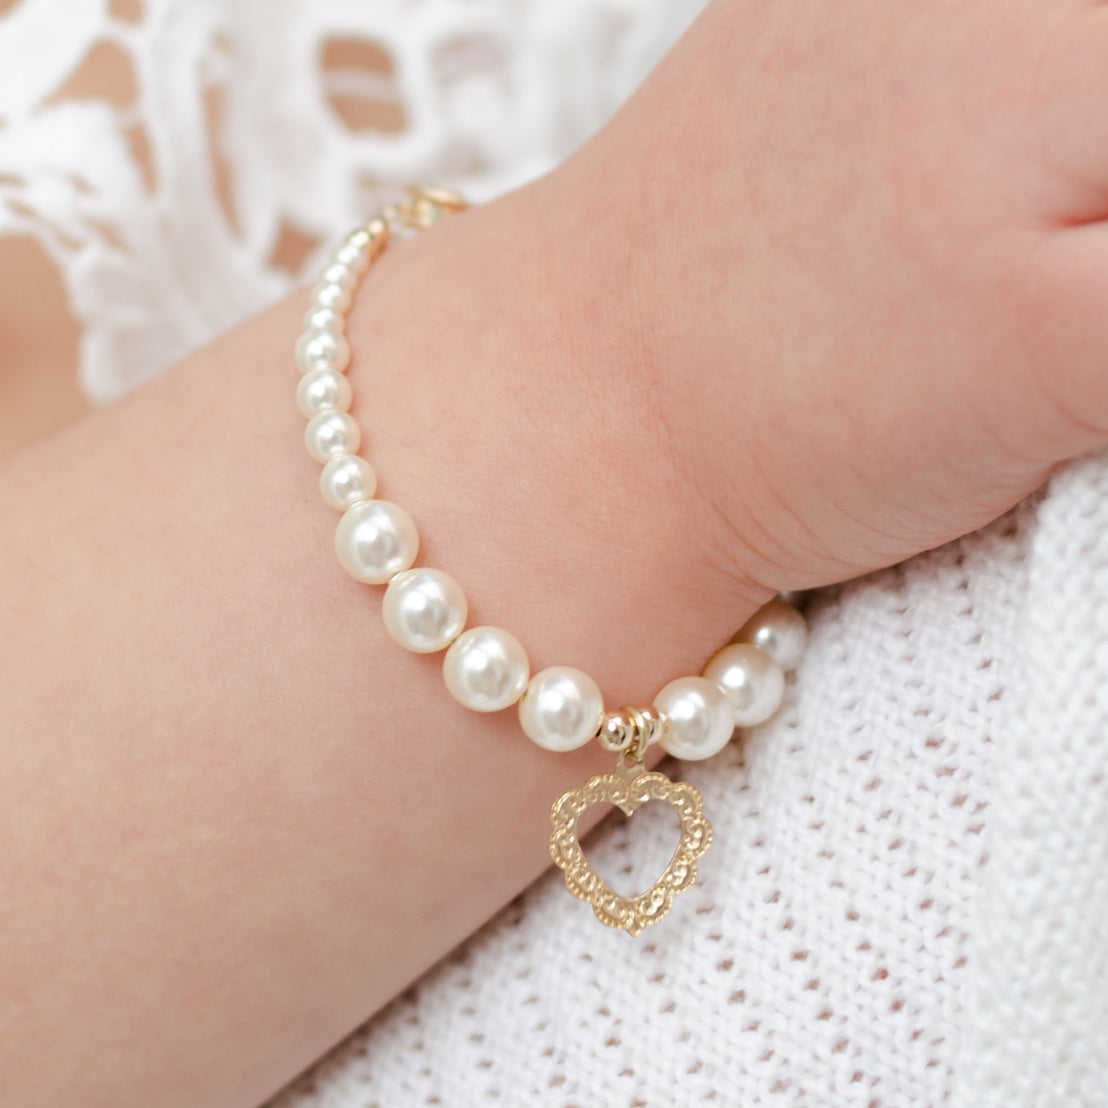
(627, 791)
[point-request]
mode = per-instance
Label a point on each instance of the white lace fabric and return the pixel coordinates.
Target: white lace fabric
(164, 209)
(907, 896)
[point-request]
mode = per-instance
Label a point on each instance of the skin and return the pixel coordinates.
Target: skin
(240, 818)
(39, 393)
(791, 316)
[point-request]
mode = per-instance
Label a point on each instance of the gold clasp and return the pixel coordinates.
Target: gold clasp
(425, 205)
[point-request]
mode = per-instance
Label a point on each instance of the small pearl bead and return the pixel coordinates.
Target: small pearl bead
(699, 718)
(752, 680)
(352, 256)
(346, 479)
(331, 432)
(338, 274)
(322, 350)
(375, 540)
(424, 610)
(561, 709)
(324, 319)
(326, 294)
(780, 630)
(486, 669)
(321, 390)
(796, 597)
(359, 238)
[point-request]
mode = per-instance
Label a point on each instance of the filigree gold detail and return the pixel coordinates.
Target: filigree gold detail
(627, 791)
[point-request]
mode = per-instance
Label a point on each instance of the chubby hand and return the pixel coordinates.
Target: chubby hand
(846, 269)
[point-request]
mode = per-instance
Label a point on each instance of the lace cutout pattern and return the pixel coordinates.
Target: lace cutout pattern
(185, 163)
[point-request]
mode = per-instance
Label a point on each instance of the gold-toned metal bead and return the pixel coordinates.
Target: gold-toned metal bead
(651, 724)
(646, 725)
(425, 205)
(616, 732)
(629, 731)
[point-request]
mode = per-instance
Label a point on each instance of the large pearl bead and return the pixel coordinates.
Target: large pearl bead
(561, 709)
(486, 669)
(346, 479)
(424, 610)
(323, 389)
(752, 680)
(331, 432)
(322, 350)
(698, 715)
(780, 630)
(375, 540)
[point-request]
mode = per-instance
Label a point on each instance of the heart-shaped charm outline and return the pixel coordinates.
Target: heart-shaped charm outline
(628, 793)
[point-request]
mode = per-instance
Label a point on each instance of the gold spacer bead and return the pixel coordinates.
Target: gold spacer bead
(616, 731)
(630, 731)
(651, 725)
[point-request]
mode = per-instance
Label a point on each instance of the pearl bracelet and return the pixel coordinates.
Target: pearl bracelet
(486, 668)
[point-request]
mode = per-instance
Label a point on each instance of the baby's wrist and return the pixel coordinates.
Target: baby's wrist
(505, 421)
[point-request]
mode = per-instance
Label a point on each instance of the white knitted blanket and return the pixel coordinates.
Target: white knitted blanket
(906, 902)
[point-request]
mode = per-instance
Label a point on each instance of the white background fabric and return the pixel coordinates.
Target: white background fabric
(907, 898)
(484, 94)
(906, 902)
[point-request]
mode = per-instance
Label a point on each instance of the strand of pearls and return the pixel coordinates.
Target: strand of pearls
(425, 610)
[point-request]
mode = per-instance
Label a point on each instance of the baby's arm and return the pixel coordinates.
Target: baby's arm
(238, 818)
(742, 341)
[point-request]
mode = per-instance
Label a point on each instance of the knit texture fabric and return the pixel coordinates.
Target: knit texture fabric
(906, 902)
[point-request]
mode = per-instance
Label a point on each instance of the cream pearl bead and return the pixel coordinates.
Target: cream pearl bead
(336, 273)
(326, 294)
(752, 680)
(352, 256)
(322, 350)
(375, 540)
(324, 319)
(331, 432)
(360, 238)
(424, 610)
(796, 597)
(698, 715)
(345, 480)
(486, 669)
(778, 629)
(561, 709)
(323, 390)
